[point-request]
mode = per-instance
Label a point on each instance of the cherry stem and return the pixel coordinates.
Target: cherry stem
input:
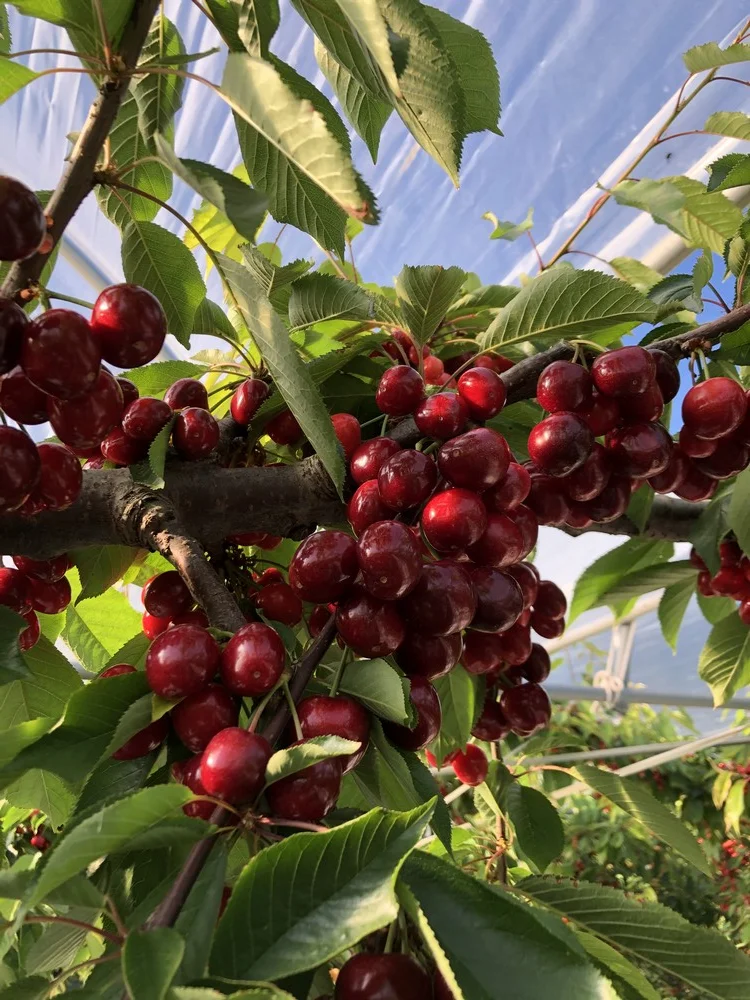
(720, 297)
(261, 707)
(90, 928)
(292, 708)
(339, 675)
(57, 52)
(296, 824)
(391, 938)
(68, 298)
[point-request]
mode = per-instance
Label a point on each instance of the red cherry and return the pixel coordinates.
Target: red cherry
(744, 611)
(501, 544)
(511, 491)
(196, 617)
(348, 431)
(483, 392)
(129, 391)
(626, 371)
(453, 520)
(371, 455)
(400, 391)
(48, 598)
(491, 724)
(714, 408)
(704, 584)
(470, 765)
(499, 599)
(536, 668)
(526, 520)
(434, 371)
(13, 323)
(382, 977)
(564, 386)
(153, 626)
(547, 500)
(368, 626)
(527, 579)
(308, 795)
(253, 660)
(195, 433)
(673, 475)
(280, 603)
(390, 560)
(590, 478)
(577, 515)
(443, 602)
(401, 347)
(189, 773)
(144, 742)
(233, 765)
(426, 703)
(85, 422)
(546, 627)
(30, 635)
(640, 450)
(729, 581)
(322, 715)
(366, 507)
(117, 447)
(23, 224)
(516, 644)
(611, 503)
(667, 374)
(696, 485)
(317, 620)
(730, 553)
(61, 477)
(257, 538)
(271, 575)
(201, 716)
(603, 415)
(476, 460)
(284, 429)
(647, 406)
(247, 400)
(59, 354)
(14, 590)
(181, 661)
(694, 446)
(50, 570)
(727, 461)
(496, 362)
(526, 707)
(186, 392)
(560, 443)
(145, 417)
(429, 656)
(695, 559)
(117, 669)
(441, 416)
(20, 468)
(482, 653)
(406, 479)
(324, 566)
(129, 324)
(167, 595)
(21, 400)
(550, 600)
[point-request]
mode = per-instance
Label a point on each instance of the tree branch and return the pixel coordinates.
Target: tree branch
(670, 519)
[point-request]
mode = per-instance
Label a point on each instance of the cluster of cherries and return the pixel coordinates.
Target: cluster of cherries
(35, 587)
(732, 579)
(735, 857)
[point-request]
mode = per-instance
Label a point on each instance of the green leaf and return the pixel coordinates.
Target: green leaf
(734, 808)
(38, 789)
(609, 960)
(367, 22)
(156, 378)
(325, 891)
(672, 608)
(28, 988)
(379, 687)
(733, 124)
(275, 280)
(5, 37)
(639, 508)
(13, 667)
(703, 270)
(603, 574)
(296, 758)
(730, 171)
(721, 787)
(567, 304)
(708, 219)
(151, 472)
(738, 515)
(675, 293)
(80, 21)
(482, 298)
(58, 944)
(482, 931)
(460, 698)
(286, 367)
(416, 915)
(257, 24)
(14, 76)
(113, 779)
(427, 789)
(132, 652)
(383, 777)
(650, 933)
(711, 526)
(724, 663)
(635, 273)
(160, 262)
(425, 293)
(509, 231)
(316, 298)
(643, 581)
(714, 609)
(99, 627)
(662, 199)
(17, 738)
(43, 694)
(735, 346)
(100, 568)
(199, 915)
(710, 55)
(150, 960)
(631, 795)
(159, 95)
(539, 829)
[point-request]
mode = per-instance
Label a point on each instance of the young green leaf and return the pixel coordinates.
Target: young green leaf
(317, 298)
(14, 76)
(383, 777)
(425, 294)
(159, 95)
(198, 917)
(603, 574)
(710, 55)
(100, 567)
(258, 22)
(734, 808)
(712, 525)
(734, 124)
(99, 627)
(738, 515)
(616, 967)
(296, 758)
(509, 231)
(367, 22)
(730, 171)
(44, 693)
(672, 608)
(643, 581)
(724, 663)
(460, 695)
(380, 688)
(537, 823)
(151, 472)
(639, 508)
(156, 378)
(150, 960)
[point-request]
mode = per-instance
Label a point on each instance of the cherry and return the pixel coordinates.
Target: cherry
(167, 595)
(673, 475)
(368, 626)
(516, 643)
(181, 661)
(401, 347)
(714, 408)
(48, 598)
(400, 391)
(145, 417)
(560, 443)
(550, 600)
(270, 575)
(491, 724)
(704, 584)
(20, 468)
(247, 399)
(253, 660)
(284, 429)
(603, 415)
(13, 323)
(348, 431)
(547, 627)
(308, 795)
(59, 355)
(366, 507)
(21, 400)
(441, 416)
(129, 324)
(434, 371)
(744, 612)
(500, 545)
(85, 422)
(324, 566)
(589, 479)
(30, 635)
(536, 668)
(195, 433)
(429, 656)
(482, 653)
(382, 977)
(259, 538)
(196, 617)
(696, 485)
(189, 773)
(626, 371)
(318, 619)
(667, 374)
(527, 522)
(499, 599)
(406, 479)
(695, 559)
(641, 450)
(117, 447)
(153, 626)
(201, 716)
(390, 560)
(14, 590)
(371, 455)
(546, 499)
(443, 602)
(496, 362)
(324, 715)
(23, 224)
(50, 570)
(727, 461)
(144, 742)
(129, 391)
(476, 460)
(453, 520)
(280, 603)
(426, 704)
(729, 581)
(527, 579)
(233, 765)
(526, 707)
(511, 491)
(694, 446)
(117, 669)
(60, 478)
(470, 765)
(564, 386)
(730, 553)
(483, 392)
(186, 392)
(577, 515)
(647, 406)
(611, 503)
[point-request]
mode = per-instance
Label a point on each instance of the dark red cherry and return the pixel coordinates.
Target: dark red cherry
(50, 570)
(253, 660)
(495, 362)
(382, 977)
(603, 415)
(696, 485)
(167, 595)
(536, 668)
(611, 503)
(667, 374)
(434, 371)
(324, 566)
(406, 479)
(564, 386)
(729, 582)
(550, 600)
(280, 603)
(453, 520)
(625, 371)
(195, 433)
(482, 653)
(390, 560)
(491, 724)
(500, 545)
(323, 715)
(85, 422)
(30, 635)
(443, 602)
(730, 553)
(117, 669)
(483, 393)
(371, 455)
(21, 400)
(153, 626)
(400, 391)
(348, 431)
(14, 590)
(48, 598)
(526, 707)
(195, 617)
(546, 627)
(200, 716)
(475, 460)
(429, 656)
(547, 499)
(646, 406)
(247, 399)
(59, 354)
(516, 643)
(714, 408)
(560, 443)
(401, 347)
(744, 612)
(470, 765)
(144, 742)
(233, 765)
(318, 619)
(694, 446)
(61, 477)
(181, 661)
(145, 417)
(589, 479)
(527, 579)
(499, 599)
(129, 325)
(526, 520)
(577, 515)
(368, 626)
(308, 795)
(117, 447)
(20, 468)
(727, 461)
(284, 429)
(129, 391)
(640, 450)
(511, 491)
(23, 225)
(366, 507)
(13, 323)
(441, 416)
(186, 392)
(426, 703)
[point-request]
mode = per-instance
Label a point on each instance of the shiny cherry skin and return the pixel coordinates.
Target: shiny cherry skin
(453, 520)
(233, 765)
(429, 715)
(483, 393)
(526, 707)
(153, 626)
(13, 323)
(730, 553)
(323, 715)
(729, 582)
(371, 455)
(482, 653)
(117, 669)
(14, 590)
(564, 386)
(516, 642)
(550, 600)
(645, 407)
(195, 433)
(495, 362)
(366, 507)
(318, 619)
(640, 450)
(144, 742)
(200, 716)
(247, 400)
(284, 429)
(186, 392)
(499, 599)
(382, 977)
(728, 460)
(308, 795)
(536, 668)
(253, 660)
(476, 460)
(324, 567)
(280, 603)
(470, 765)
(714, 408)
(48, 598)
(603, 415)
(626, 371)
(390, 560)
(694, 446)
(491, 724)
(406, 479)
(50, 570)
(589, 479)
(547, 499)
(511, 491)
(195, 617)
(696, 485)
(611, 503)
(441, 416)
(400, 391)
(59, 354)
(60, 477)
(20, 468)
(129, 325)
(85, 422)
(145, 417)
(527, 579)
(129, 391)
(21, 400)
(667, 374)
(401, 347)
(434, 371)
(500, 545)
(546, 627)
(181, 661)
(368, 626)
(29, 637)
(429, 656)
(560, 443)
(23, 225)
(117, 447)
(167, 595)
(189, 773)
(443, 602)
(348, 432)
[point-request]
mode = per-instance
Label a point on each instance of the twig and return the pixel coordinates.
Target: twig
(720, 297)
(89, 928)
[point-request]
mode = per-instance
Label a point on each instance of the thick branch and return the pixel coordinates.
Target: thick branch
(670, 519)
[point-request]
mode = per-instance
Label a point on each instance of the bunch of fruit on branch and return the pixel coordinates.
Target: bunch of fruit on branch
(732, 579)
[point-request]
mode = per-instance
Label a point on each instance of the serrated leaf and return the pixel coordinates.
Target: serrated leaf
(481, 299)
(724, 663)
(13, 667)
(707, 219)
(14, 76)
(714, 609)
(38, 789)
(703, 270)
(275, 279)
(611, 961)
(258, 22)
(710, 55)
(112, 780)
(296, 758)
(638, 275)
(151, 472)
(5, 35)
(43, 694)
(100, 567)
(675, 293)
(738, 514)
(156, 378)
(199, 915)
(416, 915)
(132, 652)
(383, 777)
(459, 693)
(97, 628)
(735, 346)
(672, 607)
(649, 578)
(639, 508)
(539, 829)
(160, 262)
(427, 789)
(317, 298)
(150, 960)
(379, 687)
(159, 95)
(709, 529)
(425, 294)
(733, 124)
(631, 795)
(730, 171)
(365, 18)
(509, 231)
(603, 574)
